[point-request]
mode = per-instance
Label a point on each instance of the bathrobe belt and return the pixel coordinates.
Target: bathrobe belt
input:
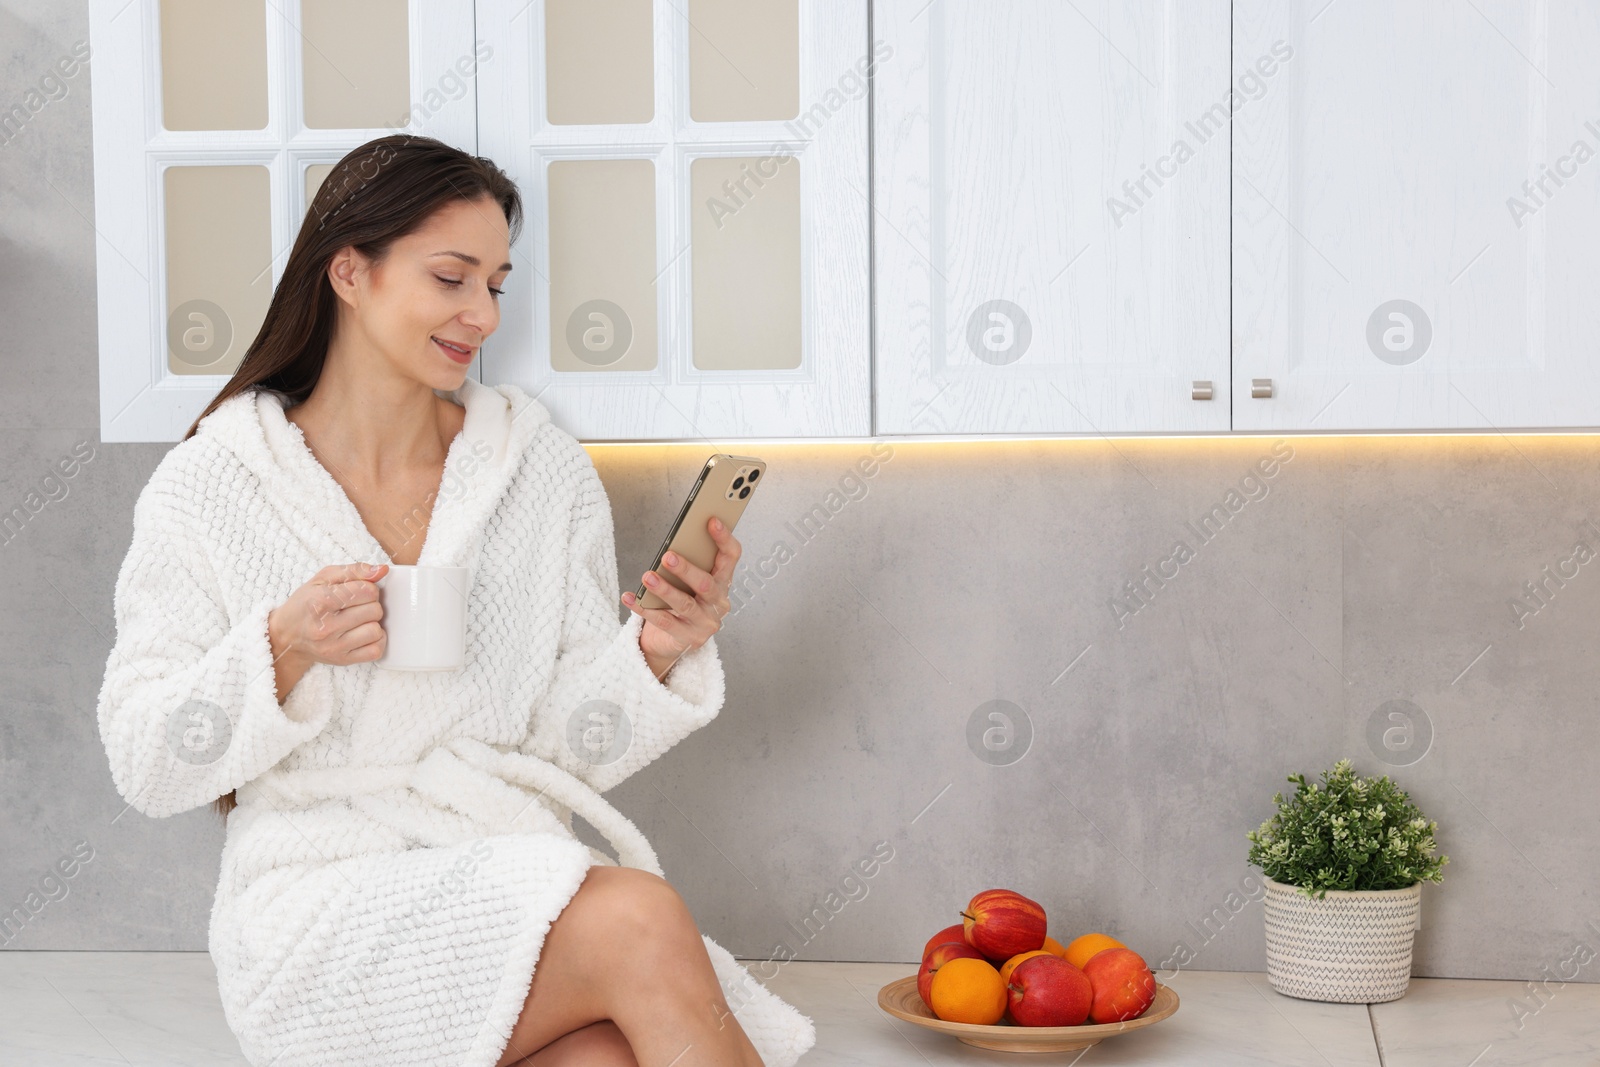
(497, 791)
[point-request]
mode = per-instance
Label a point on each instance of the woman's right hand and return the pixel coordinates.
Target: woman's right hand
(334, 618)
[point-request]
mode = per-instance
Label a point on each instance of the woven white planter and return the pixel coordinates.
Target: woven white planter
(1352, 947)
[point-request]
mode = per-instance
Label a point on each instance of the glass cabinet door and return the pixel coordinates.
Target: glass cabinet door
(214, 125)
(695, 173)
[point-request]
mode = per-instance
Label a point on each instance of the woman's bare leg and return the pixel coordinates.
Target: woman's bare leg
(626, 949)
(599, 1044)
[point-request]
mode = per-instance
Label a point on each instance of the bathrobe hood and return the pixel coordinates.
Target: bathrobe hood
(500, 422)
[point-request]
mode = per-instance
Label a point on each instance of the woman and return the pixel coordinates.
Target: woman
(400, 881)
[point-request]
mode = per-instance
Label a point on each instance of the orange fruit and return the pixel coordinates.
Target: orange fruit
(1054, 947)
(968, 991)
(1083, 949)
(1011, 964)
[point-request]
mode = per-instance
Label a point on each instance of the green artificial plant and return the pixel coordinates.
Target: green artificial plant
(1348, 833)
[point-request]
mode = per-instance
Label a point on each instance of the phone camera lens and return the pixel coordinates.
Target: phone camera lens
(737, 482)
(755, 474)
(744, 492)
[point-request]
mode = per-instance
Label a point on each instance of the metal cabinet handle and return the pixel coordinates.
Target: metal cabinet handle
(1260, 388)
(1202, 390)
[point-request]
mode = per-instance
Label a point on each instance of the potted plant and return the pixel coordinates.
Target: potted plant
(1344, 863)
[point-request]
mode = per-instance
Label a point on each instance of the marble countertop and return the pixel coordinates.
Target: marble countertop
(1232, 1019)
(77, 1009)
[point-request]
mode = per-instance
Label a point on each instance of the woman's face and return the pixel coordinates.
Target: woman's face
(435, 288)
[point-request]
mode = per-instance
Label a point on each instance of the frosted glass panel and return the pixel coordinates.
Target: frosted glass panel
(744, 60)
(602, 265)
(213, 64)
(746, 255)
(598, 63)
(316, 174)
(357, 65)
(219, 264)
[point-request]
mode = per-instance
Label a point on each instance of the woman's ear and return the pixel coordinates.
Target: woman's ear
(343, 269)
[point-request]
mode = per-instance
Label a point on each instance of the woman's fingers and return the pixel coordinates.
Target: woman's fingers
(676, 598)
(363, 642)
(710, 591)
(690, 618)
(336, 616)
(695, 578)
(665, 621)
(684, 618)
(728, 551)
(347, 620)
(712, 586)
(350, 608)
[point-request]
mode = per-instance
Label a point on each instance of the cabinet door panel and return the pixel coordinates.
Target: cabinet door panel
(752, 317)
(1051, 233)
(214, 124)
(1391, 268)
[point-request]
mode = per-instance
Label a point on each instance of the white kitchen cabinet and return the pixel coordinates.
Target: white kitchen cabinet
(1415, 216)
(214, 124)
(1346, 216)
(695, 261)
(1051, 219)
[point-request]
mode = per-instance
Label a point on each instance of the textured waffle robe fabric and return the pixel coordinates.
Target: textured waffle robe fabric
(403, 839)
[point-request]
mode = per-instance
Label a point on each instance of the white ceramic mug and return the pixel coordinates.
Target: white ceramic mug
(424, 616)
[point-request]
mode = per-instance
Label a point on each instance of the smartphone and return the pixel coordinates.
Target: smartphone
(724, 487)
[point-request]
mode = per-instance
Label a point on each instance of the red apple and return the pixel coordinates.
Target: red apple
(1049, 991)
(1123, 986)
(949, 933)
(937, 957)
(1001, 923)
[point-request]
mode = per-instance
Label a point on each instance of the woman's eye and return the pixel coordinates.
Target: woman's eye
(457, 281)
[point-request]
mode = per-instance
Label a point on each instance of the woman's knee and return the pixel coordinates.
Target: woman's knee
(634, 907)
(622, 925)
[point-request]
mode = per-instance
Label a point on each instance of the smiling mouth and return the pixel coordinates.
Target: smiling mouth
(460, 353)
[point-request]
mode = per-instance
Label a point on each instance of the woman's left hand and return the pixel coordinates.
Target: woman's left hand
(687, 622)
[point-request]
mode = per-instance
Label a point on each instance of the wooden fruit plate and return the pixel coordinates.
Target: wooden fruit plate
(899, 998)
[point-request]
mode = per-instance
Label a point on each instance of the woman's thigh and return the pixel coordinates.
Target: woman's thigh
(591, 947)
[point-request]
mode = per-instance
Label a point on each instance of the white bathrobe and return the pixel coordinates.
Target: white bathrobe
(403, 840)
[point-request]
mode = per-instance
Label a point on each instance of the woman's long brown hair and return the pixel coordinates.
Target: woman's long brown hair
(376, 194)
